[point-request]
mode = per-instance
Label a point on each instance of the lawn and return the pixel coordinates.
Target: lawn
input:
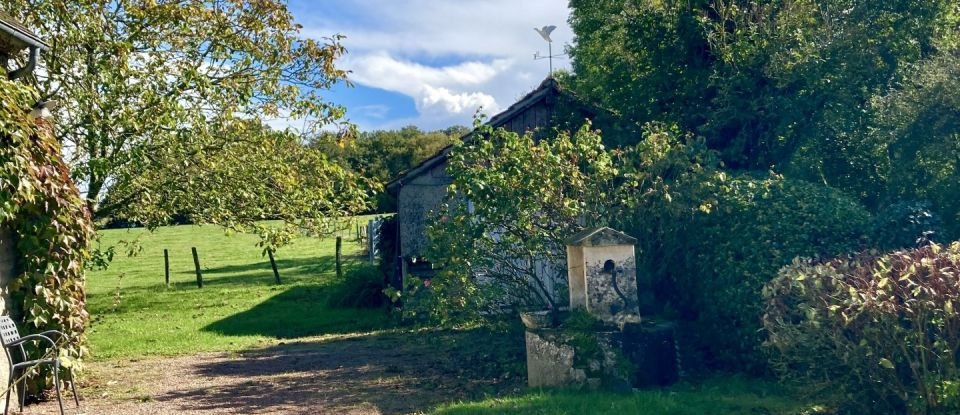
(718, 396)
(241, 308)
(134, 314)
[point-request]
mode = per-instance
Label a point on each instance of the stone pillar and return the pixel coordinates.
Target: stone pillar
(603, 275)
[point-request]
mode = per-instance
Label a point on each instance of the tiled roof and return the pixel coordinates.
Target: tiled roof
(20, 36)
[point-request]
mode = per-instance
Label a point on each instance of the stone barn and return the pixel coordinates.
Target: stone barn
(422, 189)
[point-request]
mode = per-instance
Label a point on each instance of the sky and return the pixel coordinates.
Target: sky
(434, 63)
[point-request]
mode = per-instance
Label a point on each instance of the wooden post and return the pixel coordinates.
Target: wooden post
(166, 266)
(339, 258)
(196, 265)
(273, 264)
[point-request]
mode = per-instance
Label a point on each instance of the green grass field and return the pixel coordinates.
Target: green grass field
(718, 396)
(134, 314)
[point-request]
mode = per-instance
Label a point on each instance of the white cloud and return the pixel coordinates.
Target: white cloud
(455, 103)
(484, 50)
(444, 89)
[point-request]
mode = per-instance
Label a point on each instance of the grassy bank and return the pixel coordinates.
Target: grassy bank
(134, 314)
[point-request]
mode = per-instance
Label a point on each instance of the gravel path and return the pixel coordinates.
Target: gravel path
(384, 373)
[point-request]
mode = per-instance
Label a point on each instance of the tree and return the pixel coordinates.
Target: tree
(919, 123)
(163, 104)
(505, 221)
(781, 85)
(382, 155)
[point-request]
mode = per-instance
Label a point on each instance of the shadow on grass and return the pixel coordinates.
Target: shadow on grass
(299, 311)
(258, 273)
(392, 372)
(315, 265)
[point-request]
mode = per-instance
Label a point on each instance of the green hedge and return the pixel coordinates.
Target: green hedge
(712, 267)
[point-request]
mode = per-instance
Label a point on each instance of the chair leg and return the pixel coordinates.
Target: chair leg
(73, 387)
(56, 383)
(23, 389)
(6, 407)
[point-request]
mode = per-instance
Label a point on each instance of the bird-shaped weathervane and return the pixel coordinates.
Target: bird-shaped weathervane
(545, 34)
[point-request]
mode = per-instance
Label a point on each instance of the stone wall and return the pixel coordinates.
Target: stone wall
(416, 201)
(553, 361)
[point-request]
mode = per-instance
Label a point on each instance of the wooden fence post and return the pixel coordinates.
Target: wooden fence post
(166, 266)
(196, 265)
(273, 264)
(339, 258)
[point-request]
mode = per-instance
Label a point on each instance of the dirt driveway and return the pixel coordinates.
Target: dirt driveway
(382, 373)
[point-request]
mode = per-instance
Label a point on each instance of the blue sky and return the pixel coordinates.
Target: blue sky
(433, 63)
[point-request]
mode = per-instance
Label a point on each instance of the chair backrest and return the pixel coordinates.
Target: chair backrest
(8, 330)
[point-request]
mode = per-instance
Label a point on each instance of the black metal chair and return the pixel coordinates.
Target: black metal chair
(12, 341)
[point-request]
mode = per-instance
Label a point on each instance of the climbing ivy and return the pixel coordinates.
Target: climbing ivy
(42, 208)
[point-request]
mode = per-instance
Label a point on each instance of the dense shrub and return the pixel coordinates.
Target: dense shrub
(882, 331)
(361, 287)
(387, 244)
(712, 265)
(906, 224)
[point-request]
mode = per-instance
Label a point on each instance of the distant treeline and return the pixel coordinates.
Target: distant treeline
(383, 154)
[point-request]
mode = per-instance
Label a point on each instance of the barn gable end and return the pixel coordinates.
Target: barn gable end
(422, 189)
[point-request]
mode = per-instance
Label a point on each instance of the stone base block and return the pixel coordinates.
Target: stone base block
(557, 358)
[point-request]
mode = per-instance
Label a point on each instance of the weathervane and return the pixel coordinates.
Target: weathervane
(545, 34)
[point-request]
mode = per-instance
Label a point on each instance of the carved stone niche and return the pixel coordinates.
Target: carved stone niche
(602, 271)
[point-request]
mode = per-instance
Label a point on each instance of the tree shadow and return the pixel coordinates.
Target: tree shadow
(315, 265)
(315, 269)
(388, 372)
(299, 311)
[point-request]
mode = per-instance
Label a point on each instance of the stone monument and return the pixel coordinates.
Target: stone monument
(602, 271)
(615, 350)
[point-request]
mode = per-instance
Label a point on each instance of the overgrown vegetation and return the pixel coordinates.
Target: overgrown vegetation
(708, 267)
(708, 240)
(512, 229)
(781, 85)
(881, 331)
(362, 287)
(49, 223)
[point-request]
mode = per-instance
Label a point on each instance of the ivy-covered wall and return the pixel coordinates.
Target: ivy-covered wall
(48, 223)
